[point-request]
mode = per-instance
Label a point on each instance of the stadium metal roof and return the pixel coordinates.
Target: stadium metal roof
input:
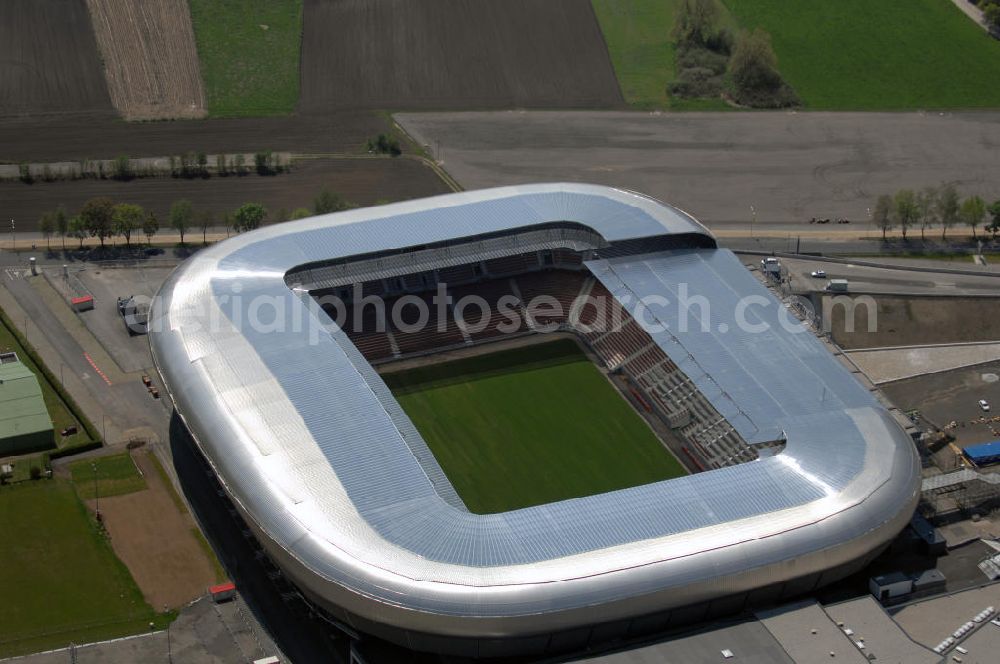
(318, 454)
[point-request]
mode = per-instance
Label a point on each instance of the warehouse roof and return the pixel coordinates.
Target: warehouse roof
(22, 408)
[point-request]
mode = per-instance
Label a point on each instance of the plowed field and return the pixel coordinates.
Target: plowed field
(150, 58)
(48, 59)
(454, 54)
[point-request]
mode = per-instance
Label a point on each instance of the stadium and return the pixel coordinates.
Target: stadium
(627, 436)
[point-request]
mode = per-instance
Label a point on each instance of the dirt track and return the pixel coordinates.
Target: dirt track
(362, 180)
(454, 54)
(150, 58)
(156, 542)
(48, 59)
(92, 137)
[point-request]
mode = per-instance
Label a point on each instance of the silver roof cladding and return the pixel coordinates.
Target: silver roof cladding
(311, 444)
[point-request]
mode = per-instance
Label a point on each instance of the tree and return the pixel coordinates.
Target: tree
(753, 66)
(328, 202)
(128, 219)
(122, 168)
(926, 209)
(47, 225)
(905, 209)
(205, 221)
(220, 165)
(972, 212)
(947, 208)
(77, 229)
(97, 217)
(991, 12)
(300, 213)
(695, 24)
(994, 210)
(181, 216)
(149, 227)
(883, 213)
(249, 216)
(62, 224)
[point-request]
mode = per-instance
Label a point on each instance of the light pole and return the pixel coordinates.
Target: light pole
(13, 240)
(97, 492)
(871, 223)
(61, 381)
(753, 218)
(170, 656)
(104, 427)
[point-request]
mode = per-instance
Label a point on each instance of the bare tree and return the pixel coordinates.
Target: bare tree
(927, 209)
(882, 214)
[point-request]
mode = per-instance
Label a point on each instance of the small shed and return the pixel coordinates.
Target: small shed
(983, 454)
(888, 587)
(222, 592)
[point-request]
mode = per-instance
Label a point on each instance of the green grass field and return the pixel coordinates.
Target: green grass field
(857, 54)
(62, 582)
(106, 476)
(530, 426)
(58, 411)
(845, 55)
(249, 53)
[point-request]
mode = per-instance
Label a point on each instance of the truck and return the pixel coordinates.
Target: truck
(837, 286)
(135, 314)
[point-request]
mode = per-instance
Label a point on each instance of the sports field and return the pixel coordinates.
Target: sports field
(862, 55)
(106, 476)
(529, 426)
(62, 582)
(249, 53)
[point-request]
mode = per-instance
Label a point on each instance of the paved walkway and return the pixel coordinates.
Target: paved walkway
(885, 365)
(973, 12)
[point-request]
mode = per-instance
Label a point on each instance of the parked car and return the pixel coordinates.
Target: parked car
(985, 405)
(819, 274)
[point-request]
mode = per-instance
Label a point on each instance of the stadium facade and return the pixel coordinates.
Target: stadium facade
(343, 493)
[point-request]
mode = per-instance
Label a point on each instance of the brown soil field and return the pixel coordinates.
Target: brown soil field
(48, 59)
(150, 59)
(156, 542)
(361, 180)
(914, 320)
(446, 54)
(89, 137)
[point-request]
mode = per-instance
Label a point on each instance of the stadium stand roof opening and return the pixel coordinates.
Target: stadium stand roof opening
(342, 491)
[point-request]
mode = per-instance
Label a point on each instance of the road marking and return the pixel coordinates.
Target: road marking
(99, 372)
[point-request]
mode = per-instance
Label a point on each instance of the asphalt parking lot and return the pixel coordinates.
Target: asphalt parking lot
(952, 396)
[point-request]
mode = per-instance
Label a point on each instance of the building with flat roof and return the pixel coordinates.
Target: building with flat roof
(25, 425)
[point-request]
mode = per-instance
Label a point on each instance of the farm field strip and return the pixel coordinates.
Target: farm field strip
(49, 63)
(361, 181)
(150, 58)
(454, 54)
(249, 52)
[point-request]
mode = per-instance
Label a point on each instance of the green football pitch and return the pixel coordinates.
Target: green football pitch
(529, 426)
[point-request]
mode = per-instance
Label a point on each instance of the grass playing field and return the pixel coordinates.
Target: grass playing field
(249, 53)
(530, 426)
(62, 582)
(857, 54)
(106, 476)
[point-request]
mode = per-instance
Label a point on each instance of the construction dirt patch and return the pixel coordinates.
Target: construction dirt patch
(915, 320)
(150, 58)
(157, 542)
(48, 59)
(454, 54)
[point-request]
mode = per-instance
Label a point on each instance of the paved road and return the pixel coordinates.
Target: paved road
(789, 166)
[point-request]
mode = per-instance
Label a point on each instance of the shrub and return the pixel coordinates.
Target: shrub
(24, 171)
(385, 144)
(121, 168)
(753, 70)
(263, 163)
(35, 472)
